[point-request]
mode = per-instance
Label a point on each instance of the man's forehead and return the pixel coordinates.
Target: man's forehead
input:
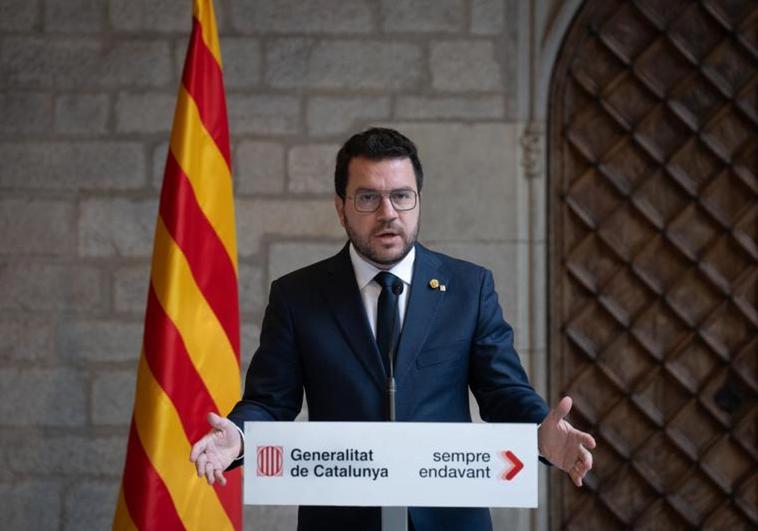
(398, 170)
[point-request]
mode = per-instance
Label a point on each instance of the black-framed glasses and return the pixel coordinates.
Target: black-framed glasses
(369, 200)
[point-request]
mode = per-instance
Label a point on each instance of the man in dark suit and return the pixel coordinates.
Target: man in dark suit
(329, 330)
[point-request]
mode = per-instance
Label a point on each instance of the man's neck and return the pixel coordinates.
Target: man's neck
(365, 270)
(383, 267)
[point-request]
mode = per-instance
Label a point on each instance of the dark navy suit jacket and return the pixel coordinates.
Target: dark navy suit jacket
(316, 337)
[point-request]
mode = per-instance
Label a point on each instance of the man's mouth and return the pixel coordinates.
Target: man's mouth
(387, 235)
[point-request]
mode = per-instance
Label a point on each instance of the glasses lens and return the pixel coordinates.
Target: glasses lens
(367, 201)
(403, 199)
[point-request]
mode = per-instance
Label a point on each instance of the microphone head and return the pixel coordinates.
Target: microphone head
(397, 287)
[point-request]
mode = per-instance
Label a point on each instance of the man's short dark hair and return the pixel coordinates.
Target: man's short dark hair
(377, 143)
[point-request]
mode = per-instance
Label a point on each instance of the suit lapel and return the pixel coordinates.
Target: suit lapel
(423, 304)
(346, 304)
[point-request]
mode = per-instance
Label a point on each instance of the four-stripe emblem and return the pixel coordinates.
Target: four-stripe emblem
(270, 461)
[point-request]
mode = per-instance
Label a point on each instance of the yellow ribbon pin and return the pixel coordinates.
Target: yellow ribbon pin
(435, 284)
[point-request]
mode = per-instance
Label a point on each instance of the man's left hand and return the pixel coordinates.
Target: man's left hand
(563, 445)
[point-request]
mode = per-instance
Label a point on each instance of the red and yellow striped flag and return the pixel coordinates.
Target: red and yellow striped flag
(189, 363)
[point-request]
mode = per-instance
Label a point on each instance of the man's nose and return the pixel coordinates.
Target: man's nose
(386, 209)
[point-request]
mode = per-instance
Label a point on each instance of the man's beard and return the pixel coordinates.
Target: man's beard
(363, 246)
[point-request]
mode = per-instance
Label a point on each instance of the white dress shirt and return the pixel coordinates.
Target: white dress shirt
(370, 289)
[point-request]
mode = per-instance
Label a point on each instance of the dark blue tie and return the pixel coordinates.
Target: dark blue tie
(387, 316)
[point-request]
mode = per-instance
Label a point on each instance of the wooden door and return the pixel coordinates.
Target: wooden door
(653, 160)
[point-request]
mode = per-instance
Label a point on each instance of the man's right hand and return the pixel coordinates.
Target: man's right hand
(215, 451)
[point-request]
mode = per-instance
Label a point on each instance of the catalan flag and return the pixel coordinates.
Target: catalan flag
(189, 363)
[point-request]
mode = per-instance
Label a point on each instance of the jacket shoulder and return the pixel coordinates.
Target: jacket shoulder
(310, 274)
(457, 266)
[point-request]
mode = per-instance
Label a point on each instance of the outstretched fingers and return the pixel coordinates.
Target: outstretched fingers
(200, 464)
(214, 471)
(210, 473)
(581, 466)
(198, 449)
(584, 463)
(576, 476)
(208, 453)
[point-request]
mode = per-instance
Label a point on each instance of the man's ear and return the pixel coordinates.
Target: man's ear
(339, 205)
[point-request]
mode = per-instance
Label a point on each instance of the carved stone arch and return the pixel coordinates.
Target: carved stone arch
(653, 235)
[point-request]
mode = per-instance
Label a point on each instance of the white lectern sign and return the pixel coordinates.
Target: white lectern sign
(391, 464)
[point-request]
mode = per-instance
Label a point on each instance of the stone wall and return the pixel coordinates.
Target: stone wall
(87, 90)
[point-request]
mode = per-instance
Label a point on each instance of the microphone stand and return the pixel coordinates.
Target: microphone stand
(394, 518)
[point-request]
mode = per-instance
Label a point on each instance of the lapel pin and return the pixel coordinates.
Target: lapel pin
(435, 284)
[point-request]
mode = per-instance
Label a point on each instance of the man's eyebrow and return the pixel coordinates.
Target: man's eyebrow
(401, 189)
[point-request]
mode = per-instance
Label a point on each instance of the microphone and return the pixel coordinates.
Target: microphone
(397, 290)
(394, 518)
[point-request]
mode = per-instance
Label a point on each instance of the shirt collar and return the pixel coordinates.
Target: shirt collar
(365, 271)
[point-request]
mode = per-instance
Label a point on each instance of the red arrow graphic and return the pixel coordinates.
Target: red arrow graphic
(515, 465)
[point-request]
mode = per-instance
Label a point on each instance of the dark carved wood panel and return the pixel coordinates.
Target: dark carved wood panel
(653, 141)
